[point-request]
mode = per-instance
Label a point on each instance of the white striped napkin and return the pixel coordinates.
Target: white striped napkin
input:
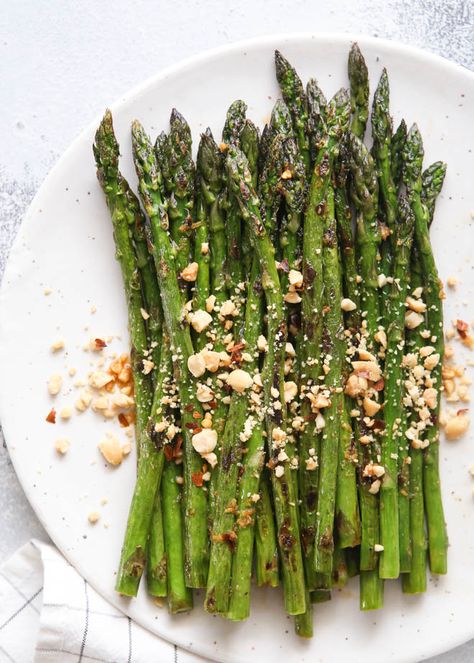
(50, 614)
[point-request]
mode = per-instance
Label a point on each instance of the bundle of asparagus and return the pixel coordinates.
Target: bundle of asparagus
(287, 338)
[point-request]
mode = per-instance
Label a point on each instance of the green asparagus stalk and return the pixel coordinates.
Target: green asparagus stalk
(371, 591)
(239, 420)
(202, 258)
(312, 330)
(346, 238)
(347, 508)
(294, 95)
(156, 565)
(359, 85)
(180, 597)
(249, 143)
(333, 338)
(393, 408)
(253, 460)
(414, 582)
(251, 514)
(292, 186)
(304, 622)
(317, 108)
(178, 169)
(364, 193)
(239, 603)
(212, 179)
(266, 548)
(437, 536)
(156, 570)
(405, 532)
(233, 128)
(272, 378)
(195, 500)
(267, 179)
(432, 182)
(124, 215)
(382, 136)
(150, 292)
(339, 569)
(397, 145)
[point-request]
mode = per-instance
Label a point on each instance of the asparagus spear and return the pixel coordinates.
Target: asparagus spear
(201, 256)
(304, 622)
(333, 337)
(414, 582)
(174, 156)
(266, 547)
(382, 136)
(359, 80)
(437, 536)
(249, 143)
(163, 415)
(397, 145)
(124, 215)
(272, 379)
(294, 95)
(291, 185)
(195, 501)
(346, 238)
(432, 181)
(180, 597)
(253, 515)
(364, 193)
(150, 291)
(253, 461)
(213, 195)
(233, 127)
(239, 427)
(312, 329)
(175, 159)
(393, 408)
(156, 571)
(347, 510)
(316, 114)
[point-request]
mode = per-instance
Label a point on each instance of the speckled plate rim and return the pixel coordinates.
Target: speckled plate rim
(383, 45)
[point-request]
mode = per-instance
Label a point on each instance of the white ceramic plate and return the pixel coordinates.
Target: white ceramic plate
(66, 243)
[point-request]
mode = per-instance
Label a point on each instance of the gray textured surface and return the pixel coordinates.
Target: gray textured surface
(64, 60)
